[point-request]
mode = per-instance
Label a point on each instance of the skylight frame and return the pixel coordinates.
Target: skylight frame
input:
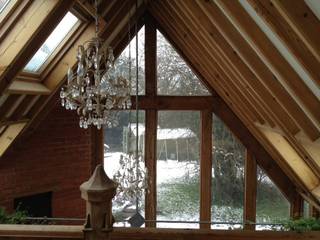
(55, 53)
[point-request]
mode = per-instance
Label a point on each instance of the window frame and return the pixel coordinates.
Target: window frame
(56, 55)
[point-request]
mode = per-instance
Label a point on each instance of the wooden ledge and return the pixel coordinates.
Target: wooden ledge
(75, 232)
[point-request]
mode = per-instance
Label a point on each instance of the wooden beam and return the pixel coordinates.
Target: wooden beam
(17, 114)
(184, 17)
(151, 119)
(229, 62)
(250, 191)
(7, 105)
(76, 232)
(275, 97)
(277, 63)
(174, 102)
(303, 21)
(29, 33)
(8, 19)
(280, 26)
(293, 160)
(205, 168)
(31, 88)
(315, 213)
(9, 135)
(151, 165)
(296, 207)
(151, 57)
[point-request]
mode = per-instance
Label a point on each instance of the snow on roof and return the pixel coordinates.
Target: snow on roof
(165, 133)
(174, 133)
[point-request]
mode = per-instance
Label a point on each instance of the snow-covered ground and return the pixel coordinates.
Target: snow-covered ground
(167, 170)
(171, 171)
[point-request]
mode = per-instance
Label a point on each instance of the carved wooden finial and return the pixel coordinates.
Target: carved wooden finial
(98, 192)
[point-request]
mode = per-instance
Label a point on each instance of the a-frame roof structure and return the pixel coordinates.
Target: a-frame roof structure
(261, 59)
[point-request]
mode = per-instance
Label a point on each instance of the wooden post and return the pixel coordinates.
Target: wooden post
(314, 212)
(151, 161)
(151, 120)
(296, 208)
(205, 168)
(250, 191)
(98, 191)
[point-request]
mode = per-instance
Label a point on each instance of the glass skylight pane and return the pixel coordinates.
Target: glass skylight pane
(55, 38)
(3, 4)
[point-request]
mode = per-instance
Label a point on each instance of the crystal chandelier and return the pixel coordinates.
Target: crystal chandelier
(97, 89)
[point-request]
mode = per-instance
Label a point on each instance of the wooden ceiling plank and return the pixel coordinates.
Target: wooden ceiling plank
(271, 107)
(303, 21)
(231, 70)
(115, 15)
(158, 12)
(30, 88)
(6, 106)
(280, 117)
(10, 122)
(297, 164)
(9, 135)
(280, 26)
(10, 18)
(256, 65)
(18, 113)
(29, 32)
(219, 77)
(274, 60)
(14, 106)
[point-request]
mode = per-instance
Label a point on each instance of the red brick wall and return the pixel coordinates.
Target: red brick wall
(55, 157)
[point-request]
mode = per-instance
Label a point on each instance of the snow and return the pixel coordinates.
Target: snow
(170, 171)
(165, 133)
(175, 133)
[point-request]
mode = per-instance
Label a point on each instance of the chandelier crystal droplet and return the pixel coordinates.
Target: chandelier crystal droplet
(97, 90)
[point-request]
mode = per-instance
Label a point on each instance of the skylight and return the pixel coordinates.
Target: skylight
(52, 42)
(3, 4)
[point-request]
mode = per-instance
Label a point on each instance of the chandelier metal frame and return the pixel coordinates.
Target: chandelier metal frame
(97, 89)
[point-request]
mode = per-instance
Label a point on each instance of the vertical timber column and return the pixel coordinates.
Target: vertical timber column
(97, 147)
(296, 208)
(205, 168)
(250, 191)
(314, 212)
(151, 120)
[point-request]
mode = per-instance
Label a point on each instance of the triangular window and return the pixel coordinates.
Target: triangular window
(272, 206)
(174, 75)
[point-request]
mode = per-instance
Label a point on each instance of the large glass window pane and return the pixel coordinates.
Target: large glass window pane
(122, 63)
(178, 168)
(52, 42)
(174, 75)
(227, 177)
(119, 142)
(272, 206)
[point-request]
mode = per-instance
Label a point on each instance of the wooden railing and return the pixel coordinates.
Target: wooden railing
(98, 191)
(36, 232)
